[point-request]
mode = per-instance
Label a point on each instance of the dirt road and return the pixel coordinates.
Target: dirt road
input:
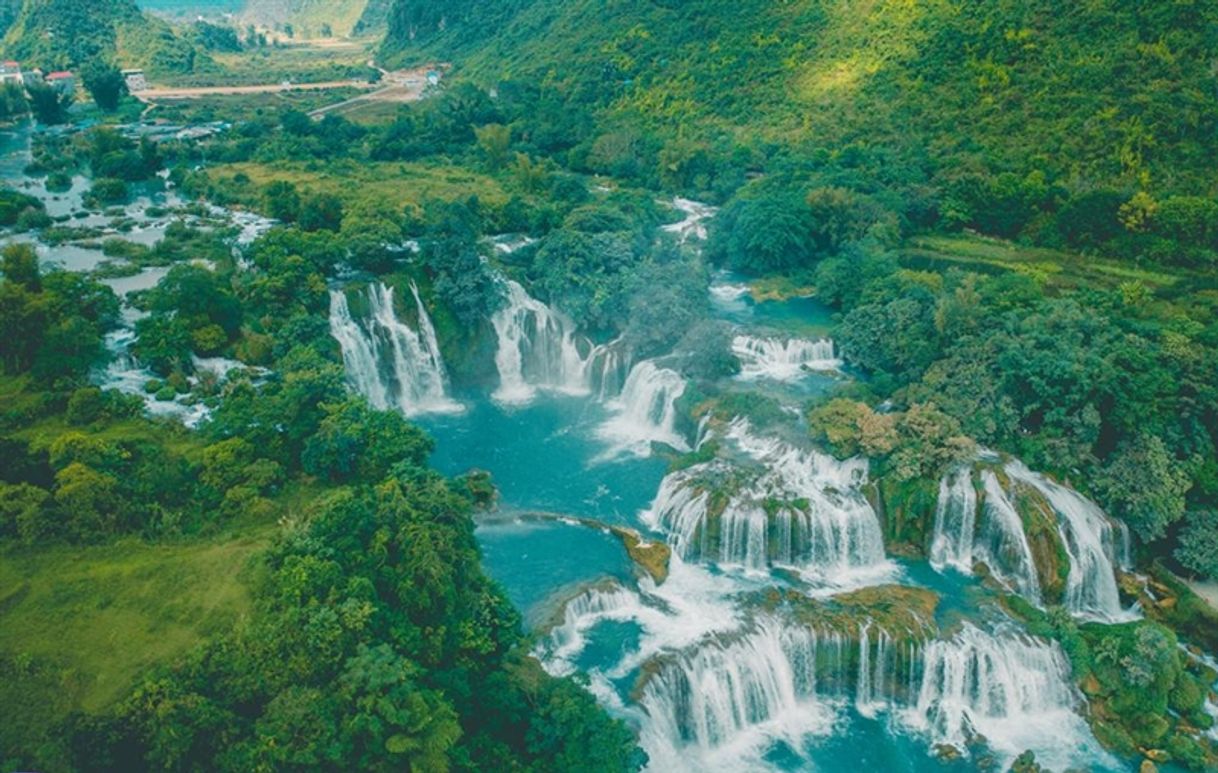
(151, 95)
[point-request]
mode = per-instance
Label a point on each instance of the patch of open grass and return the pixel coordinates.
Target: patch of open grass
(101, 615)
(400, 185)
(1057, 269)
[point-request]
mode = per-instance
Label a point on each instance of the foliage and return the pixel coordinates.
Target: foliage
(1145, 486)
(54, 322)
(1198, 550)
(377, 643)
(920, 442)
(105, 84)
(48, 104)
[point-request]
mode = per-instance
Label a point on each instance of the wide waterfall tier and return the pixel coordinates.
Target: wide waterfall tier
(1015, 691)
(745, 691)
(387, 361)
(539, 349)
(734, 697)
(779, 359)
(986, 516)
(645, 411)
(773, 505)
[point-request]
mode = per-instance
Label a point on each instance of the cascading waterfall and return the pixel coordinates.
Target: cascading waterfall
(955, 522)
(798, 508)
(693, 226)
(1088, 537)
(125, 374)
(740, 694)
(1003, 543)
(1013, 690)
(737, 695)
(392, 365)
(646, 411)
(581, 613)
(780, 359)
(538, 349)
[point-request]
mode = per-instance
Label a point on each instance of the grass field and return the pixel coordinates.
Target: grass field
(400, 185)
(104, 614)
(79, 625)
(1062, 270)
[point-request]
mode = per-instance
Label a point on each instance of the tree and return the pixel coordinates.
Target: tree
(1198, 549)
(321, 211)
(23, 320)
(164, 343)
(106, 84)
(357, 443)
(25, 513)
(14, 205)
(89, 501)
(1145, 486)
(762, 233)
(495, 140)
(849, 428)
(282, 201)
(20, 266)
(48, 104)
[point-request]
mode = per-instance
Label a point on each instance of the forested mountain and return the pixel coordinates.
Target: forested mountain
(57, 34)
(309, 18)
(1087, 94)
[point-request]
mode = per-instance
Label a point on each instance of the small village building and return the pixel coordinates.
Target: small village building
(62, 81)
(135, 80)
(10, 72)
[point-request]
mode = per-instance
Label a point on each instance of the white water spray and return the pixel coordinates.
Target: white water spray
(1090, 542)
(538, 349)
(788, 507)
(645, 412)
(392, 365)
(780, 359)
(1013, 690)
(955, 522)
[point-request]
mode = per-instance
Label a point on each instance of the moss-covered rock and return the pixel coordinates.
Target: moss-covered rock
(907, 513)
(905, 613)
(1170, 601)
(1145, 694)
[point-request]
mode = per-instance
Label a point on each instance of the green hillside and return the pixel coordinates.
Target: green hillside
(56, 34)
(308, 18)
(1098, 93)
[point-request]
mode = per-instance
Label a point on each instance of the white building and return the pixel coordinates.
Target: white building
(10, 72)
(135, 80)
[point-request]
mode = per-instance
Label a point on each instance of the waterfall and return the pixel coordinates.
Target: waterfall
(789, 507)
(955, 522)
(738, 695)
(583, 612)
(1004, 546)
(693, 226)
(1013, 690)
(646, 411)
(782, 360)
(392, 365)
(539, 349)
(125, 374)
(1087, 535)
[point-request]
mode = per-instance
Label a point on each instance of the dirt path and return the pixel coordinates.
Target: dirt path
(1207, 591)
(396, 86)
(150, 95)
